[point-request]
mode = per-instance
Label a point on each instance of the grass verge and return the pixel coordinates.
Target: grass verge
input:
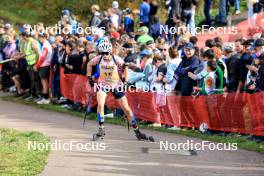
(16, 159)
(242, 141)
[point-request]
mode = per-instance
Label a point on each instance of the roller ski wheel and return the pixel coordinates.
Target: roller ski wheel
(143, 137)
(99, 135)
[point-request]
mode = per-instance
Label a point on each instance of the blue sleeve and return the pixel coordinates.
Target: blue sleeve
(183, 71)
(97, 74)
(170, 72)
(141, 9)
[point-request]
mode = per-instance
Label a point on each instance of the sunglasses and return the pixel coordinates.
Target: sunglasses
(162, 49)
(105, 53)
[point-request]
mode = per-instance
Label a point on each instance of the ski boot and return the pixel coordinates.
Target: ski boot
(100, 134)
(143, 137)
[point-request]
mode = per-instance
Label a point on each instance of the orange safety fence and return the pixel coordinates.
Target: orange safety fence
(243, 113)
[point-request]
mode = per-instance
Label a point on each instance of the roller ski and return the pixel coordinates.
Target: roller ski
(99, 135)
(143, 137)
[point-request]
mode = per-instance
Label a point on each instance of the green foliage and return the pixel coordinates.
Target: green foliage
(48, 11)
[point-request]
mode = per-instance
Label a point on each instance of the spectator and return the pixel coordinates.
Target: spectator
(188, 14)
(233, 68)
(9, 51)
(95, 20)
(153, 10)
(171, 78)
(158, 74)
(43, 66)
(209, 80)
(105, 21)
(144, 13)
(82, 57)
(117, 11)
(207, 8)
(260, 77)
(29, 50)
(114, 18)
(155, 28)
(128, 22)
(143, 35)
(189, 63)
(245, 59)
(209, 43)
(222, 14)
(58, 52)
(131, 59)
(237, 7)
(146, 58)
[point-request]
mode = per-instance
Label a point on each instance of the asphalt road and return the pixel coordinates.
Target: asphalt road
(122, 154)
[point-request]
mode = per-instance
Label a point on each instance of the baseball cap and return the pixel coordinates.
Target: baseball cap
(143, 29)
(156, 51)
(7, 26)
(145, 52)
(89, 38)
(115, 5)
(149, 42)
(259, 42)
(189, 46)
(247, 43)
(228, 48)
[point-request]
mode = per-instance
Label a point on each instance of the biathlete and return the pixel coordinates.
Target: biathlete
(108, 69)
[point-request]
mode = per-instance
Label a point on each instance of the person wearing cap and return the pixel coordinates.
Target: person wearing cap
(260, 77)
(143, 35)
(128, 21)
(253, 74)
(189, 63)
(43, 67)
(259, 47)
(233, 68)
(144, 9)
(7, 26)
(245, 59)
(141, 71)
(117, 11)
(131, 58)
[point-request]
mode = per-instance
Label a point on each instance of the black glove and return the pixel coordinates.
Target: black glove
(126, 85)
(91, 81)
